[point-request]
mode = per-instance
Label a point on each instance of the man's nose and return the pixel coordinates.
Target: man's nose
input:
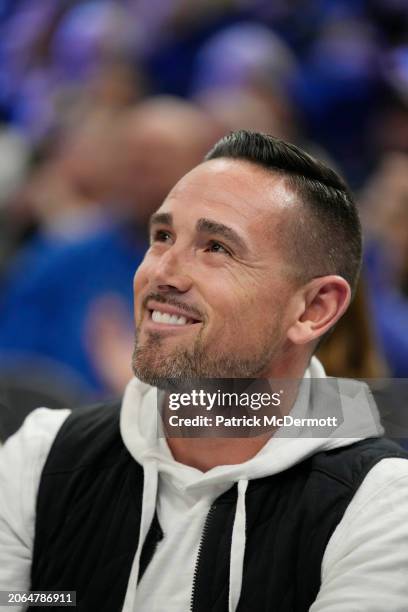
(172, 272)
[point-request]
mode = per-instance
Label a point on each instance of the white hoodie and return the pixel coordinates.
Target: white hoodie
(365, 563)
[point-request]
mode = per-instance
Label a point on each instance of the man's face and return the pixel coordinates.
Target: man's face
(216, 266)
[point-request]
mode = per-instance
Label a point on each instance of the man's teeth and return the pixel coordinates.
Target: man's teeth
(164, 317)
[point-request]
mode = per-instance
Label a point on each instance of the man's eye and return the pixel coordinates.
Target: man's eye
(160, 236)
(216, 247)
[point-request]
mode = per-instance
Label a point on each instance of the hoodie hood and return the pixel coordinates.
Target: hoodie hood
(358, 419)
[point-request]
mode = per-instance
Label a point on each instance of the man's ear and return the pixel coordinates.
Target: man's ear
(321, 303)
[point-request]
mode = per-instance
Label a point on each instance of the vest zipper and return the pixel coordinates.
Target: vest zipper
(207, 522)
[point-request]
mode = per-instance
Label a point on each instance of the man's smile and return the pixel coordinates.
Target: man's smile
(166, 317)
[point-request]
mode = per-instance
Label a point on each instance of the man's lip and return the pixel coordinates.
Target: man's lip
(171, 310)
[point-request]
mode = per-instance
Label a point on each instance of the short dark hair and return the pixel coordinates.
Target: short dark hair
(326, 238)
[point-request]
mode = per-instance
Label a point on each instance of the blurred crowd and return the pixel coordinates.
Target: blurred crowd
(104, 105)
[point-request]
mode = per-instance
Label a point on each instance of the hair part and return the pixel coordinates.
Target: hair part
(325, 236)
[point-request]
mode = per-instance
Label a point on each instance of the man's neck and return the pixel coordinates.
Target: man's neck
(207, 453)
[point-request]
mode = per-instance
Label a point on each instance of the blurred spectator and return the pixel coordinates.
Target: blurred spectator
(384, 206)
(159, 141)
(64, 197)
(67, 194)
(73, 304)
(385, 209)
(243, 77)
(242, 55)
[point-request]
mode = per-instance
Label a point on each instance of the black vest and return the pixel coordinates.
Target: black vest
(89, 508)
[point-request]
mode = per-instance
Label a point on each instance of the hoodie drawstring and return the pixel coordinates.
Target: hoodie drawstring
(150, 480)
(237, 548)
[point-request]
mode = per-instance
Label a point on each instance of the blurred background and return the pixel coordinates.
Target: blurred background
(104, 105)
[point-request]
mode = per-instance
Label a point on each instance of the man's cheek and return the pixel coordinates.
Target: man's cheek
(141, 277)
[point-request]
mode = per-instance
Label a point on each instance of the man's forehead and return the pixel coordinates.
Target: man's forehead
(238, 184)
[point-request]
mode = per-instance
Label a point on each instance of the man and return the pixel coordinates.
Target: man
(254, 256)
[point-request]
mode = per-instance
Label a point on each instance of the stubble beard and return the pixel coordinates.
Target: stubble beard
(176, 368)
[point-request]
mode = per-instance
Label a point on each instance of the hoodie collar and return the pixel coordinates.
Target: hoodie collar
(359, 416)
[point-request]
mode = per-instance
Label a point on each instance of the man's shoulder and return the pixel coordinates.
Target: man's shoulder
(83, 419)
(350, 464)
(37, 433)
(89, 435)
(338, 473)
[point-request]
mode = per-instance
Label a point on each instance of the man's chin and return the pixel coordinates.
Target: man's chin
(154, 365)
(161, 378)
(167, 367)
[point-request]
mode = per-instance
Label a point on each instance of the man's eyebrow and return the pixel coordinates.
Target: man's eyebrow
(208, 226)
(161, 219)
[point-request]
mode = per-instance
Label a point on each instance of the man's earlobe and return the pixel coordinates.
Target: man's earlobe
(325, 300)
